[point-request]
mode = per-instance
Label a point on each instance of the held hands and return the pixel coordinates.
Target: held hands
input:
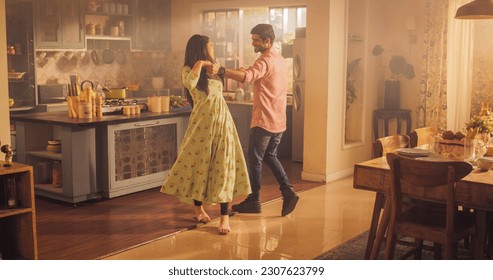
(213, 68)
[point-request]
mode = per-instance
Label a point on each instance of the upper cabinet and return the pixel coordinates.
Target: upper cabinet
(109, 20)
(59, 24)
(153, 25)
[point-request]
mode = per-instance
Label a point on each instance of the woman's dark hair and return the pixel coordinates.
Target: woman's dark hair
(264, 31)
(197, 50)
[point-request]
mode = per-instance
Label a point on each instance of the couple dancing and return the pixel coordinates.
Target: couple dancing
(210, 167)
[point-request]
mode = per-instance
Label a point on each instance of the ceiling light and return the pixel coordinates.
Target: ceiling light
(477, 9)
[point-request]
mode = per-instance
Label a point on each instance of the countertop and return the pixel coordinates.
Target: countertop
(61, 118)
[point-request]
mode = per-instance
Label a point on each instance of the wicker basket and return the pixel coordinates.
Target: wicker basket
(16, 75)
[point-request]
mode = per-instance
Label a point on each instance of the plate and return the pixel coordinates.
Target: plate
(415, 152)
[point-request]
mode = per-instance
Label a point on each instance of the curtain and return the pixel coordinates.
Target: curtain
(432, 97)
(460, 65)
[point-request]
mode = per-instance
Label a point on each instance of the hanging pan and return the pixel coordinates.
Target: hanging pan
(108, 55)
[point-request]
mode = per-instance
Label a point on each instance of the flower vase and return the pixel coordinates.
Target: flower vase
(157, 82)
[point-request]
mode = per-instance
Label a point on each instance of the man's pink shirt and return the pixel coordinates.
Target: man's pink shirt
(269, 75)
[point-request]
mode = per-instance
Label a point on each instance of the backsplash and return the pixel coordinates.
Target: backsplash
(128, 67)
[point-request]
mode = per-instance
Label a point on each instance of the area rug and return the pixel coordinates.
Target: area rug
(354, 249)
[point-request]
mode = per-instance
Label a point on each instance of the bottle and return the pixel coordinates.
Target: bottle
(240, 95)
(56, 169)
(11, 193)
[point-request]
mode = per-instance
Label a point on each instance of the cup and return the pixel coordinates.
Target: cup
(165, 103)
(154, 104)
(114, 31)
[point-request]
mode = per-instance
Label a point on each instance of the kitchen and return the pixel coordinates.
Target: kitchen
(326, 156)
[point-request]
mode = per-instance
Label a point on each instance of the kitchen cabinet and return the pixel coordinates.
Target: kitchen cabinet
(18, 238)
(77, 159)
(100, 157)
(241, 112)
(59, 24)
(153, 25)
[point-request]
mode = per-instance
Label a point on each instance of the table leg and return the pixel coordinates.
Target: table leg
(382, 228)
(377, 208)
(399, 125)
(386, 127)
(480, 221)
(375, 126)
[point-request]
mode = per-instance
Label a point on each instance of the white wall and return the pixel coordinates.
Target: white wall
(4, 96)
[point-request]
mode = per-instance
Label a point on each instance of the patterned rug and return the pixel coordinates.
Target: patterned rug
(354, 249)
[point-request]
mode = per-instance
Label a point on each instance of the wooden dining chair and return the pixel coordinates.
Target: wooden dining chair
(389, 144)
(438, 221)
(421, 136)
(381, 147)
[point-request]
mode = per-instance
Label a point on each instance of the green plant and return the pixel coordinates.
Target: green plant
(483, 123)
(397, 64)
(350, 86)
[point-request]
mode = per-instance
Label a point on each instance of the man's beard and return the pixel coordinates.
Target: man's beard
(260, 48)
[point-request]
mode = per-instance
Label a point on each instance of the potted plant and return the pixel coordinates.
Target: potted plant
(287, 45)
(398, 66)
(157, 77)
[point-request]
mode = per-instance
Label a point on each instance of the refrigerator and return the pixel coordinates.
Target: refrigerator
(298, 99)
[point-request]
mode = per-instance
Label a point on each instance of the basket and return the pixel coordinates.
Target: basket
(16, 75)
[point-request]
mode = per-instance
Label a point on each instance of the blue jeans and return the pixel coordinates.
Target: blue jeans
(262, 147)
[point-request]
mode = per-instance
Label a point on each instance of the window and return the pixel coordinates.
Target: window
(230, 32)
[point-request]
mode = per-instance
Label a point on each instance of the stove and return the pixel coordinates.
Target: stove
(115, 106)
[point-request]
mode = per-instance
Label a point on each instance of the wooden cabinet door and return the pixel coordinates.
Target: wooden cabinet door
(48, 23)
(72, 29)
(59, 24)
(153, 25)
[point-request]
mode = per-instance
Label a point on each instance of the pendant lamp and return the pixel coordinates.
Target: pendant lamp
(477, 9)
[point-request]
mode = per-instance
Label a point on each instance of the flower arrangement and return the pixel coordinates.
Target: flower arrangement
(482, 123)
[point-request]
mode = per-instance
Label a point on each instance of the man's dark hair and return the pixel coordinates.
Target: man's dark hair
(264, 31)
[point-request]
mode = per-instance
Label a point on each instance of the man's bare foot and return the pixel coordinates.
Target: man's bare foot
(201, 215)
(224, 227)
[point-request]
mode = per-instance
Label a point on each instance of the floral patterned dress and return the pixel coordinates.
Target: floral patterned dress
(210, 166)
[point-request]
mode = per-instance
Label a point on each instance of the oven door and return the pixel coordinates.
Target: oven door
(140, 154)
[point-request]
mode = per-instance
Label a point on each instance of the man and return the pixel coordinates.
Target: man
(269, 75)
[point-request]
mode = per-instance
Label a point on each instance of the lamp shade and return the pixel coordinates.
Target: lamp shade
(477, 9)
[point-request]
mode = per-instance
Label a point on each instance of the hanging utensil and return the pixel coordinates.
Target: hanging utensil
(108, 55)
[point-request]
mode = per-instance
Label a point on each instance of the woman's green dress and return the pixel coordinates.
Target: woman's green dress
(210, 166)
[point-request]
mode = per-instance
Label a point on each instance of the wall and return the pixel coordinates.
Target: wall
(4, 96)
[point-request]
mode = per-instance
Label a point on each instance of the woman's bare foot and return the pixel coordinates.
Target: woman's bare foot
(224, 227)
(201, 215)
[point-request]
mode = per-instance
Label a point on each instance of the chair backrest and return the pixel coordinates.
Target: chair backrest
(425, 180)
(389, 144)
(420, 136)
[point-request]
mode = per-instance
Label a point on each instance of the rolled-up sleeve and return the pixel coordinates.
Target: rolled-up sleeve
(258, 70)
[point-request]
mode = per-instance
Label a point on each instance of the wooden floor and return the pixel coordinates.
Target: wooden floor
(97, 228)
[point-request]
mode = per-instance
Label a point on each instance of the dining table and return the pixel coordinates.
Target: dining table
(475, 191)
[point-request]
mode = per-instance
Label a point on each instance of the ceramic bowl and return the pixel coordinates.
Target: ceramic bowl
(485, 163)
(54, 142)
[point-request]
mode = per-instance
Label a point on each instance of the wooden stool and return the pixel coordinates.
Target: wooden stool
(388, 114)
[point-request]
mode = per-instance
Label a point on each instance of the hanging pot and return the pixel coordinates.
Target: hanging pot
(120, 57)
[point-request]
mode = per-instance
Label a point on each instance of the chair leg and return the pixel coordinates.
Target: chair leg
(448, 249)
(419, 249)
(377, 208)
(437, 251)
(390, 246)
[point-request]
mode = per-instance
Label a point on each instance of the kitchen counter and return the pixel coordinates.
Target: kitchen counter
(109, 156)
(61, 118)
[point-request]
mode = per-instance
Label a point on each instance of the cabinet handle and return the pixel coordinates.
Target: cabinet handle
(146, 123)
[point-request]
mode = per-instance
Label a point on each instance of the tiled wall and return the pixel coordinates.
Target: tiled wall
(55, 67)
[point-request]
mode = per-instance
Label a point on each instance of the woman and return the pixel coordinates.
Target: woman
(210, 166)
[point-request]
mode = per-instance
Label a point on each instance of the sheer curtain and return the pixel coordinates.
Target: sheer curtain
(459, 68)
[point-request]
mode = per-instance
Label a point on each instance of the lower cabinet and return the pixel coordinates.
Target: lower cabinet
(68, 174)
(18, 238)
(139, 155)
